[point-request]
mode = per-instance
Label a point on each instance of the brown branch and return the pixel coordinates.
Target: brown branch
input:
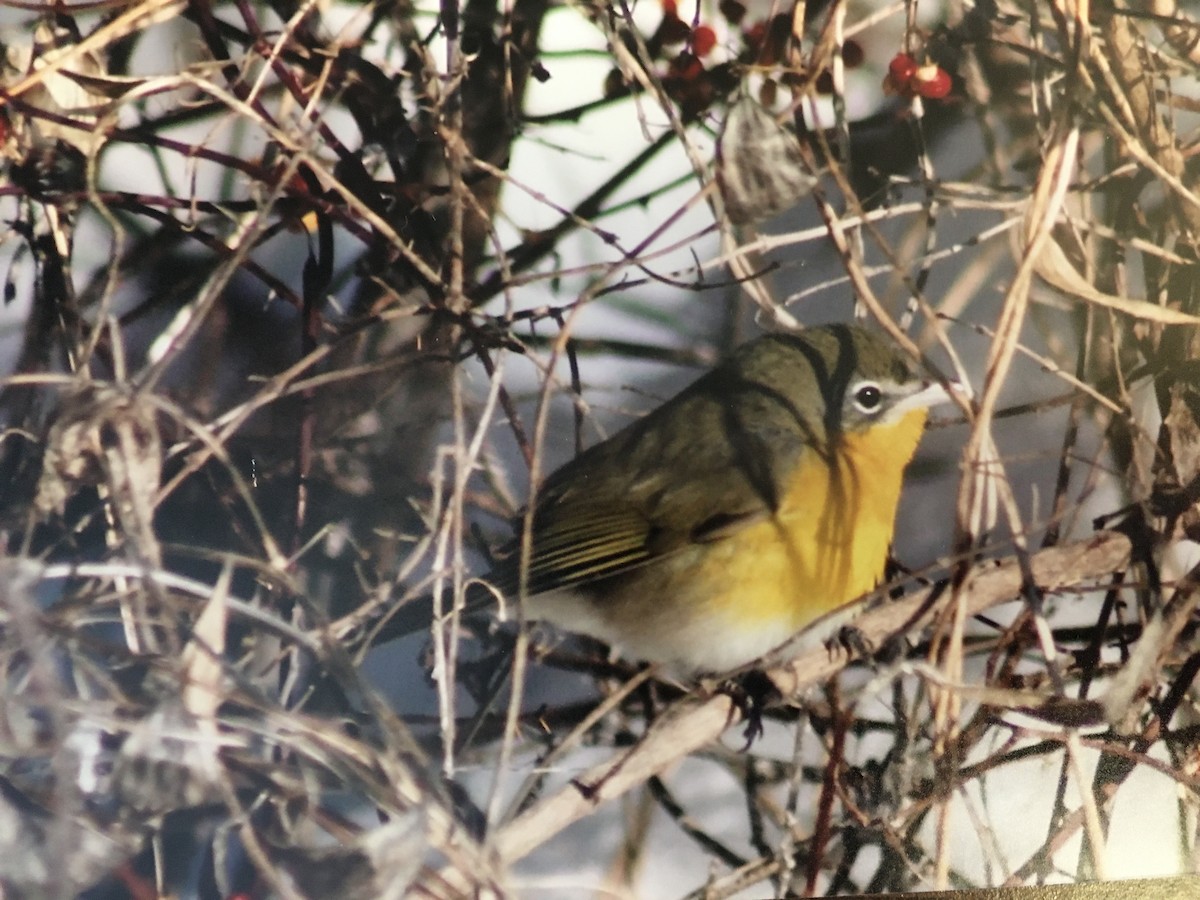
(696, 721)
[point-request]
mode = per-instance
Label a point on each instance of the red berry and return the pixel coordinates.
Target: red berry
(685, 67)
(902, 68)
(931, 81)
(703, 40)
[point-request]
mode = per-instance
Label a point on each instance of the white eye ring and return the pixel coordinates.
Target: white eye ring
(868, 398)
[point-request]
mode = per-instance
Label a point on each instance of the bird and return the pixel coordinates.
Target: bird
(712, 530)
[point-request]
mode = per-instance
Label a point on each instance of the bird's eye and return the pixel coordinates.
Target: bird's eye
(868, 398)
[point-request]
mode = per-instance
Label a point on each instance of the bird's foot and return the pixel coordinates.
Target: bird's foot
(851, 639)
(751, 692)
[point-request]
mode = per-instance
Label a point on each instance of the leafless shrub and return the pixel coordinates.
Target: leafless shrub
(276, 284)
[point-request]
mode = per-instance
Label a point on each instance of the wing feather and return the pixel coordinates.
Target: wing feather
(577, 547)
(698, 469)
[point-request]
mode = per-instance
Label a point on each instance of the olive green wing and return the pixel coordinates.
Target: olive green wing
(691, 472)
(579, 546)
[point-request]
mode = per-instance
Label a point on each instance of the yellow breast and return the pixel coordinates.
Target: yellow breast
(722, 604)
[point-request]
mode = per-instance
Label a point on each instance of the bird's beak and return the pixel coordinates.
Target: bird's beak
(932, 393)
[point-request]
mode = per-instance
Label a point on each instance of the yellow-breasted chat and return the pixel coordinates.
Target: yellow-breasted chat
(720, 524)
